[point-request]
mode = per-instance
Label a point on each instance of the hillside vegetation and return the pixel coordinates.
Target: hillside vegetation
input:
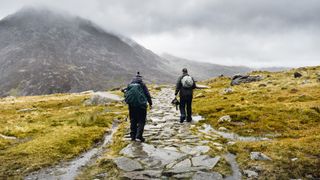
(50, 129)
(280, 107)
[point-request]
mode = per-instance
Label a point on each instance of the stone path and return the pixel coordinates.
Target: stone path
(171, 149)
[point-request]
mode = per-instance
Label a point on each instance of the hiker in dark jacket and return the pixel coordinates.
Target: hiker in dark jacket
(138, 113)
(184, 87)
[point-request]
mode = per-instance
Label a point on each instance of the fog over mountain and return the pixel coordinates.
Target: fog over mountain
(202, 70)
(44, 51)
(250, 33)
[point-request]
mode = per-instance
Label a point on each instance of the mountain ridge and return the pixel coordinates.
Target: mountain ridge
(44, 51)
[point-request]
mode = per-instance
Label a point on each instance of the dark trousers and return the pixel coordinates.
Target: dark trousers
(186, 104)
(137, 121)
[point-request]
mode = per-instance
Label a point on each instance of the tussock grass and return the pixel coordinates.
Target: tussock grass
(284, 108)
(105, 164)
(50, 129)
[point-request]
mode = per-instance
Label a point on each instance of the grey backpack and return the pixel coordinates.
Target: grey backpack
(187, 81)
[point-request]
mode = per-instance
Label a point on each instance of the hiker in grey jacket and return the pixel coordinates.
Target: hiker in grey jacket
(138, 113)
(184, 87)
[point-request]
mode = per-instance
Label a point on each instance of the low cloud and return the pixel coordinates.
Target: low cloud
(244, 32)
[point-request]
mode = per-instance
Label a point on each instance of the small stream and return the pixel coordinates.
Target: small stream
(71, 169)
(230, 158)
(230, 135)
(236, 173)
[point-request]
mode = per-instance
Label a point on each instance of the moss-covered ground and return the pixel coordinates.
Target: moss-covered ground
(281, 107)
(50, 129)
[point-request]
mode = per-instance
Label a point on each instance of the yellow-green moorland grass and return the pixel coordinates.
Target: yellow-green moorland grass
(49, 129)
(281, 107)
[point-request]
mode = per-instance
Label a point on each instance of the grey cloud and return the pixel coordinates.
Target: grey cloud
(241, 32)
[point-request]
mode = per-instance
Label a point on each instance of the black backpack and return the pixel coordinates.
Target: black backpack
(134, 96)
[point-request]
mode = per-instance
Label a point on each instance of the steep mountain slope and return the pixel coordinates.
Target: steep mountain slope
(201, 70)
(43, 52)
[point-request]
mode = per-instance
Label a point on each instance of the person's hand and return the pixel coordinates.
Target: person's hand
(150, 107)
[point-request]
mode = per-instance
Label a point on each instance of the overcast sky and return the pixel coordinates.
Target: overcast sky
(256, 33)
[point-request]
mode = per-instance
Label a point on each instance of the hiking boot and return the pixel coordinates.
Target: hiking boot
(182, 118)
(141, 139)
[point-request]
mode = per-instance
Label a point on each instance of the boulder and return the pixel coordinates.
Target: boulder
(297, 75)
(238, 79)
(250, 174)
(102, 98)
(227, 91)
(226, 118)
(259, 156)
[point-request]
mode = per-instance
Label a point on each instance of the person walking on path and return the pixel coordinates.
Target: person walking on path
(184, 87)
(136, 96)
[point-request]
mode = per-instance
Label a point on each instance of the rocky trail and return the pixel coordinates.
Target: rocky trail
(172, 150)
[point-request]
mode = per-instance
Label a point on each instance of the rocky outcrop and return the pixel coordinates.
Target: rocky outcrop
(259, 156)
(238, 79)
(297, 75)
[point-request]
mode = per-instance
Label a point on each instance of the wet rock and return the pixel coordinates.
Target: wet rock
(238, 79)
(195, 150)
(297, 75)
(183, 176)
(259, 156)
(250, 174)
(171, 148)
(226, 118)
(143, 150)
(127, 164)
(206, 175)
(227, 91)
(183, 164)
(173, 171)
(205, 161)
(102, 98)
(146, 174)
